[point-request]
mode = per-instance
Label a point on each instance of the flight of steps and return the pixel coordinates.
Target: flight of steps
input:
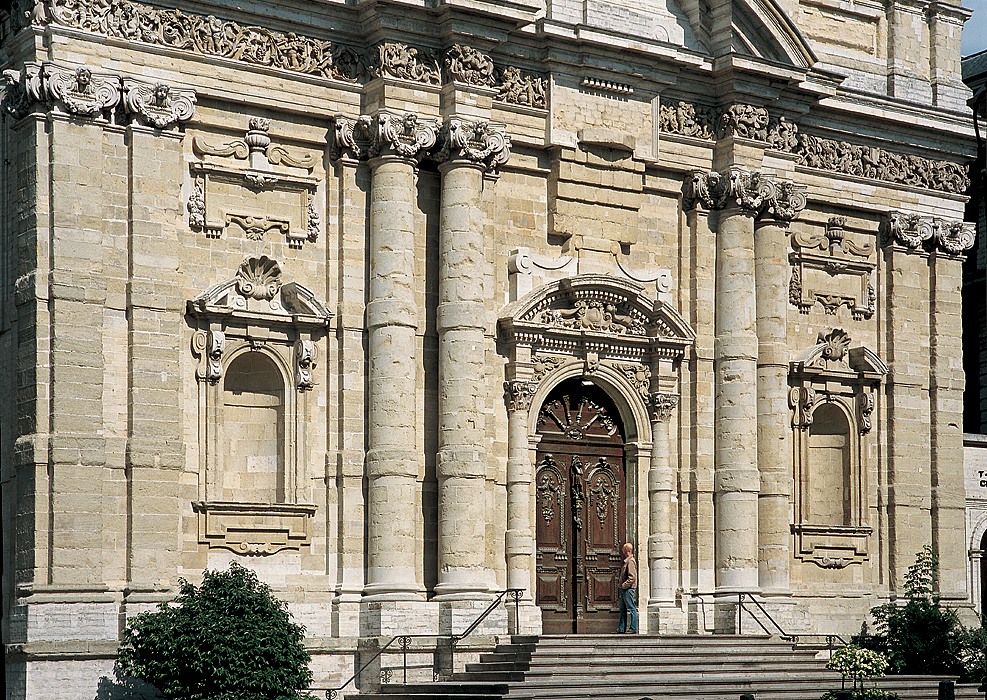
(631, 667)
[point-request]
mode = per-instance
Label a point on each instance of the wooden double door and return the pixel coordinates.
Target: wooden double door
(581, 510)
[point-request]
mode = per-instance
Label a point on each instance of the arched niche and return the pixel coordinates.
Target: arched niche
(838, 384)
(255, 504)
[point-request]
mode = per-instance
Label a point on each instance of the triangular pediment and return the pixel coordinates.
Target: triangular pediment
(761, 29)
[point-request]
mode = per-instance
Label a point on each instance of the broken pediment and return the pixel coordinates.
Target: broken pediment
(832, 356)
(259, 292)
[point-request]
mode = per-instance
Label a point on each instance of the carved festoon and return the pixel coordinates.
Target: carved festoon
(158, 104)
(475, 140)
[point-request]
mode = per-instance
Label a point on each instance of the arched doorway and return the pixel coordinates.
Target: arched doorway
(580, 483)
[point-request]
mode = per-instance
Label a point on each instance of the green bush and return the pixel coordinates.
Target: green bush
(923, 636)
(863, 694)
(229, 639)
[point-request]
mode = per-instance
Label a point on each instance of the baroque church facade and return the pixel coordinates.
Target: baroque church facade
(404, 304)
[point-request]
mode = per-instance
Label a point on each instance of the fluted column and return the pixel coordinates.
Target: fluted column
(661, 482)
(468, 149)
(398, 141)
(520, 544)
(786, 201)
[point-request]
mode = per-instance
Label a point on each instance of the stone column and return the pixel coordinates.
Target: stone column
(946, 384)
(350, 143)
(520, 543)
(736, 478)
(468, 149)
(661, 483)
(398, 141)
(773, 427)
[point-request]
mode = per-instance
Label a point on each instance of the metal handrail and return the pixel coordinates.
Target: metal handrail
(515, 593)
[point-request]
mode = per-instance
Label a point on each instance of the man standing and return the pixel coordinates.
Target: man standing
(628, 583)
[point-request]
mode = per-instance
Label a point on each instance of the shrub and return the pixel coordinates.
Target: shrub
(229, 639)
(857, 664)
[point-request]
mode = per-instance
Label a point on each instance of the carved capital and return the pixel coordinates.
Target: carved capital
(949, 235)
(403, 135)
(158, 104)
(710, 190)
(661, 405)
(910, 230)
(20, 90)
(955, 237)
(749, 190)
(475, 141)
(352, 138)
(79, 90)
(787, 200)
(517, 395)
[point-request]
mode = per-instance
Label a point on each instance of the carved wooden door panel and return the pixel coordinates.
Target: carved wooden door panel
(580, 486)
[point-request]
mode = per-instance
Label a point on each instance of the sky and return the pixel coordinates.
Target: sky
(975, 30)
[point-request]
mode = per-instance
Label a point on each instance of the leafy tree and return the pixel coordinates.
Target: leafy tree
(229, 639)
(923, 636)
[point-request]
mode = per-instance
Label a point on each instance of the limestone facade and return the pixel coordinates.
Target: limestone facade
(406, 304)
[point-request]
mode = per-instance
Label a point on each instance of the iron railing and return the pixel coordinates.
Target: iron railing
(514, 594)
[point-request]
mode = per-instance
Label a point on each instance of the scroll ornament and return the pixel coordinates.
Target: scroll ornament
(305, 355)
(478, 141)
(801, 400)
(911, 230)
(158, 105)
(865, 411)
(404, 135)
(257, 145)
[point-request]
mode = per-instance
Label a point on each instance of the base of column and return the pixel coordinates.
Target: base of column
(381, 618)
(525, 619)
(346, 615)
(666, 618)
(456, 616)
(773, 613)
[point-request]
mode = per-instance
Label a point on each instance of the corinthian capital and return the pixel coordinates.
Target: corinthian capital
(477, 141)
(404, 135)
(661, 405)
(517, 395)
(351, 137)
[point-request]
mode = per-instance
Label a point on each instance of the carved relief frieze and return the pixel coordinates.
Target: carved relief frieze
(822, 265)
(842, 157)
(256, 199)
(521, 88)
(913, 231)
(395, 60)
(465, 64)
(478, 141)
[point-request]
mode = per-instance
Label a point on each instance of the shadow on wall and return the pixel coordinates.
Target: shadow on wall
(126, 688)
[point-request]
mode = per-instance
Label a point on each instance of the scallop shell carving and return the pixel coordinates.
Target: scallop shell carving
(259, 278)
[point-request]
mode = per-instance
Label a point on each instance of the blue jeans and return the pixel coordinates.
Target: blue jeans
(627, 610)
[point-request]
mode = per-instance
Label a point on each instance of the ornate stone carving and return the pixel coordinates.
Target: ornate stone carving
(841, 257)
(394, 60)
(687, 120)
(20, 90)
(522, 89)
(478, 141)
(786, 200)
(543, 364)
(465, 64)
(594, 315)
(259, 277)
(835, 342)
(812, 151)
(305, 356)
(517, 395)
(865, 411)
(639, 376)
(709, 189)
(285, 200)
(744, 188)
(352, 138)
(745, 121)
(801, 401)
(950, 235)
(402, 134)
(80, 91)
(207, 35)
(661, 404)
(158, 105)
(209, 346)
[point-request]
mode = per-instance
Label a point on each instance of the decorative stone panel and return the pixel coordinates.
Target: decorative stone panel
(832, 270)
